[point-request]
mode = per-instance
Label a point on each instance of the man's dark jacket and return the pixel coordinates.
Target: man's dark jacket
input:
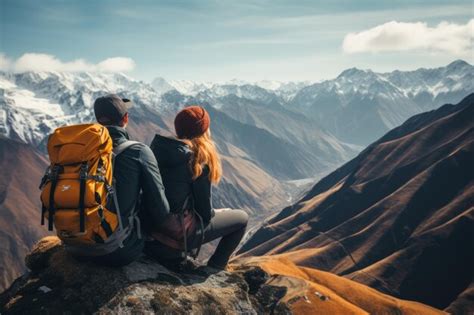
(135, 170)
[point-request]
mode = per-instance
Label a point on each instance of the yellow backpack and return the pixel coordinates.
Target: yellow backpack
(77, 187)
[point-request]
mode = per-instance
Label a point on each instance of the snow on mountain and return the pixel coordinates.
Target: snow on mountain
(360, 105)
(161, 86)
(422, 85)
(251, 92)
(457, 76)
(32, 104)
(259, 90)
(271, 85)
(189, 87)
(356, 107)
(285, 90)
(435, 83)
(235, 82)
(280, 86)
(257, 154)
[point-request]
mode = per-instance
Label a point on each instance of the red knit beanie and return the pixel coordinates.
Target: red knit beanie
(191, 122)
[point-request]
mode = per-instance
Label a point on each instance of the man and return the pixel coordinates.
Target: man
(135, 170)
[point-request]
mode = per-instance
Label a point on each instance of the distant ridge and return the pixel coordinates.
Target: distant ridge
(398, 217)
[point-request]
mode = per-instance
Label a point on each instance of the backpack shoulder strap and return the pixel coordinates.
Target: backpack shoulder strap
(123, 146)
(116, 151)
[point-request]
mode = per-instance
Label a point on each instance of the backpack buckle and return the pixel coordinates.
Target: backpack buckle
(54, 172)
(83, 171)
(46, 177)
(110, 189)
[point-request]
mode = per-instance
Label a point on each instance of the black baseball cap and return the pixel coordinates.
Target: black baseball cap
(111, 108)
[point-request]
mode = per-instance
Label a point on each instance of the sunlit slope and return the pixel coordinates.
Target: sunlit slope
(399, 217)
(311, 291)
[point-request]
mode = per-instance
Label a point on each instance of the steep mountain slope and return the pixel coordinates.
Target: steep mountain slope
(312, 291)
(285, 159)
(360, 105)
(399, 217)
(292, 127)
(22, 168)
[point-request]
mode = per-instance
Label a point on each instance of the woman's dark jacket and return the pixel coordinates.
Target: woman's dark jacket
(174, 158)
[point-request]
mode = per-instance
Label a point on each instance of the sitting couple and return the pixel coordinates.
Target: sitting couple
(172, 183)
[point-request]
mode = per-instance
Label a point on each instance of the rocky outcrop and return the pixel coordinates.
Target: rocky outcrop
(59, 284)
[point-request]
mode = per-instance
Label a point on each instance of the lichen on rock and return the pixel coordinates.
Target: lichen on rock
(57, 284)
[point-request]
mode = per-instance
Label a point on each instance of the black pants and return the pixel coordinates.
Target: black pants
(132, 250)
(229, 225)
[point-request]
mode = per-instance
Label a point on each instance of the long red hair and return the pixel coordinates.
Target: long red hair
(205, 153)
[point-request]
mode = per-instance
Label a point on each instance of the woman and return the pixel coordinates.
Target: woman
(189, 165)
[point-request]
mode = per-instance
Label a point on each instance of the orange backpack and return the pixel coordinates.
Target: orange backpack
(77, 186)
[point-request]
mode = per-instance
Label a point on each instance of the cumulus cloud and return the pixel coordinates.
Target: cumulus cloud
(116, 64)
(450, 38)
(45, 62)
(4, 63)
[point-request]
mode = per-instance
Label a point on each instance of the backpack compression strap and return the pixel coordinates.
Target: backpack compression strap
(82, 191)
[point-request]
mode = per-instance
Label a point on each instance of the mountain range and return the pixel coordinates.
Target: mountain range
(33, 104)
(359, 105)
(399, 217)
(259, 166)
(272, 145)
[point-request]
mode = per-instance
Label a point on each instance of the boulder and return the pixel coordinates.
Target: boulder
(57, 283)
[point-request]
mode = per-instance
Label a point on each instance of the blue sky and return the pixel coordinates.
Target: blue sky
(211, 40)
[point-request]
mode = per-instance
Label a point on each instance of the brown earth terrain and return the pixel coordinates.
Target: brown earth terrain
(58, 284)
(22, 168)
(399, 217)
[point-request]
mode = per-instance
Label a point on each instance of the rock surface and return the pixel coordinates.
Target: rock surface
(59, 284)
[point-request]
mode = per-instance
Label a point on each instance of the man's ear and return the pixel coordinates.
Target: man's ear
(124, 120)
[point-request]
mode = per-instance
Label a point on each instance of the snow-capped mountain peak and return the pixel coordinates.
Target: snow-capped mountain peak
(457, 64)
(360, 97)
(355, 73)
(32, 104)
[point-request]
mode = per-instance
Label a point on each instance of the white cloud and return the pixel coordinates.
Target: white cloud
(4, 63)
(116, 64)
(450, 38)
(45, 62)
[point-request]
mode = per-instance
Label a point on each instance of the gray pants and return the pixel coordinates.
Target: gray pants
(227, 224)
